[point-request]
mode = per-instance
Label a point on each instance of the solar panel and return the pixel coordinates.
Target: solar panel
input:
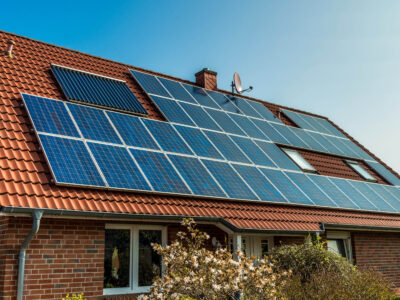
(196, 176)
(228, 148)
(230, 181)
(259, 183)
(96, 89)
(352, 193)
(286, 186)
(308, 139)
(70, 161)
(166, 136)
(277, 156)
(311, 189)
(224, 102)
(160, 172)
(245, 106)
(315, 124)
(199, 143)
(49, 115)
(377, 200)
(298, 119)
(384, 192)
(253, 151)
(337, 195)
(200, 117)
(392, 191)
(176, 90)
(93, 124)
(132, 130)
(224, 121)
(385, 173)
(330, 128)
(150, 84)
(341, 148)
(118, 167)
(263, 111)
(200, 95)
(324, 142)
(270, 132)
(293, 139)
(172, 111)
(248, 127)
(355, 149)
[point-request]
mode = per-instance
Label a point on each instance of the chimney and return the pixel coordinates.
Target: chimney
(10, 47)
(207, 79)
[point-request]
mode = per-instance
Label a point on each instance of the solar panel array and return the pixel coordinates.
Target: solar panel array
(189, 105)
(87, 146)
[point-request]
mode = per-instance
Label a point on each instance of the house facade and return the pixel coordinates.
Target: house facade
(99, 159)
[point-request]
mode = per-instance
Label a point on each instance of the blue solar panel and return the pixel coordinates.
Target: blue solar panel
(150, 84)
(277, 156)
(384, 192)
(196, 176)
(233, 185)
(342, 149)
(49, 115)
(332, 191)
(263, 111)
(355, 149)
(353, 194)
(312, 190)
(94, 124)
(199, 143)
(330, 128)
(308, 139)
(132, 130)
(285, 186)
(248, 127)
(224, 121)
(70, 161)
(324, 142)
(159, 172)
(394, 192)
(176, 90)
(200, 95)
(298, 119)
(96, 89)
(253, 151)
(166, 136)
(200, 117)
(372, 196)
(172, 111)
(225, 145)
(118, 167)
(259, 183)
(293, 139)
(385, 173)
(270, 132)
(315, 124)
(245, 106)
(224, 102)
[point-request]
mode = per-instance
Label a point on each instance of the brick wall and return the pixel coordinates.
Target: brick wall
(287, 240)
(380, 251)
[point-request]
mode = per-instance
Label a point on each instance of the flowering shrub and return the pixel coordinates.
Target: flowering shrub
(193, 272)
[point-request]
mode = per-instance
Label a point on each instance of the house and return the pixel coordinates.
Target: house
(98, 159)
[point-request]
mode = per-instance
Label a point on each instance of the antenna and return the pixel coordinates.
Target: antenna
(237, 85)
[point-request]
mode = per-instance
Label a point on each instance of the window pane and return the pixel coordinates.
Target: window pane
(361, 171)
(116, 258)
(149, 260)
(337, 246)
(264, 248)
(299, 160)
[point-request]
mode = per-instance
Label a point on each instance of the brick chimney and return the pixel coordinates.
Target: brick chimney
(207, 79)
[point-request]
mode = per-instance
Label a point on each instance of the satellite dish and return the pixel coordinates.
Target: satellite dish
(237, 84)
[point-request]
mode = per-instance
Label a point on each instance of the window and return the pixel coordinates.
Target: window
(299, 160)
(130, 263)
(360, 170)
(255, 245)
(340, 243)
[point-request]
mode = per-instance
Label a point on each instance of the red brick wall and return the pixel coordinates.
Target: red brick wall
(378, 250)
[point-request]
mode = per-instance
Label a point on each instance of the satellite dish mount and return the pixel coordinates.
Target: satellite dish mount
(237, 85)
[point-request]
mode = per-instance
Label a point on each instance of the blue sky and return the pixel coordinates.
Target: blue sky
(336, 58)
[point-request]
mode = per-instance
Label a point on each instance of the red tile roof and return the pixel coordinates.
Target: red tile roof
(25, 180)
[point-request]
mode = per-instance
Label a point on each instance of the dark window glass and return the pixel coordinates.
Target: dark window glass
(337, 246)
(149, 260)
(264, 248)
(117, 258)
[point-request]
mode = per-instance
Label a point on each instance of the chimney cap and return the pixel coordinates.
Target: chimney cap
(206, 70)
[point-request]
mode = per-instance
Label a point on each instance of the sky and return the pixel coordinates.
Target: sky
(340, 59)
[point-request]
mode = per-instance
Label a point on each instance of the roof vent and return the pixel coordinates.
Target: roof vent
(10, 47)
(207, 79)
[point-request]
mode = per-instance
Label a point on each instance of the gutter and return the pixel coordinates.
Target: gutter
(36, 216)
(125, 216)
(324, 226)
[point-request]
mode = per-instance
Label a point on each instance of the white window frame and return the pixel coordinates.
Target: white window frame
(351, 164)
(346, 237)
(299, 160)
(134, 257)
(253, 244)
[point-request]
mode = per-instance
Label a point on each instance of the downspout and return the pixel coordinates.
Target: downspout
(36, 216)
